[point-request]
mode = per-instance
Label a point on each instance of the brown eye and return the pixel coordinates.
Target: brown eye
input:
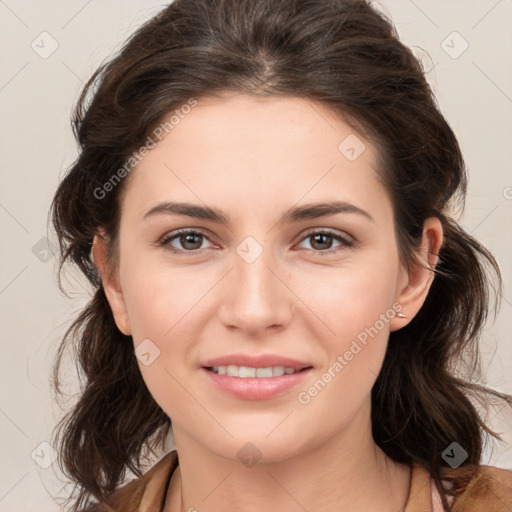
(322, 241)
(188, 240)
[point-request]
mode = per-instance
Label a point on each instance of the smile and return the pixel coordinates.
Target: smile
(251, 383)
(250, 371)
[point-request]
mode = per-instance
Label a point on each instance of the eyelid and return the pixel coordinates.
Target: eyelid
(346, 240)
(328, 231)
(173, 235)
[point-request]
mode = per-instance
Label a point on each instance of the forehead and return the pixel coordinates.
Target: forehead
(256, 148)
(281, 125)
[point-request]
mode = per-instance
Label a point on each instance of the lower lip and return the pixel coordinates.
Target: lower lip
(256, 388)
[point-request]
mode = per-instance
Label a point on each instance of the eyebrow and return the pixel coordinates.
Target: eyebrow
(308, 211)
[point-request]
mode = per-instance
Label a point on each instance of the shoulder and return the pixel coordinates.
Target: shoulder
(479, 488)
(148, 492)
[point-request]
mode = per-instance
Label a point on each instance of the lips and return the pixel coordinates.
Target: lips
(238, 380)
(260, 361)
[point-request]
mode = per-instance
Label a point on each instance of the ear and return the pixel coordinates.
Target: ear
(110, 282)
(415, 283)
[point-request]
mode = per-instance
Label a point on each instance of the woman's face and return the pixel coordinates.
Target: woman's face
(257, 281)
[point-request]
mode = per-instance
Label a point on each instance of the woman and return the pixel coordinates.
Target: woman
(262, 202)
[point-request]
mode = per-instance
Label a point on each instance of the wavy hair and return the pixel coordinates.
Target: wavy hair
(347, 56)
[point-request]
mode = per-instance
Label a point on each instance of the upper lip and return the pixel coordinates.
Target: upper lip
(260, 361)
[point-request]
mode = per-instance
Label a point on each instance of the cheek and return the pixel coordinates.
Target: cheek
(352, 298)
(355, 306)
(156, 299)
(159, 307)
(354, 353)
(342, 302)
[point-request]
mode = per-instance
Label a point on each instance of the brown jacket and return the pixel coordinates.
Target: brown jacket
(489, 489)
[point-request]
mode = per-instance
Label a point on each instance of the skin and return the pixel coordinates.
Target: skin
(255, 158)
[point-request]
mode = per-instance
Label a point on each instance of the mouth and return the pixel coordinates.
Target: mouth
(249, 377)
(245, 372)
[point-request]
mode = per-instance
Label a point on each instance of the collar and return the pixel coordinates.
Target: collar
(132, 497)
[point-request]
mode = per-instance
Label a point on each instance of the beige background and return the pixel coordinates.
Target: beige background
(36, 147)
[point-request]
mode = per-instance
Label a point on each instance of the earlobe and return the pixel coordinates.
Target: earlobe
(110, 282)
(420, 276)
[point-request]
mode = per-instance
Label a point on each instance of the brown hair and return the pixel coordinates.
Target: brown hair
(347, 56)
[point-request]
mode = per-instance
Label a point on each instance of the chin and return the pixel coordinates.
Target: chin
(255, 447)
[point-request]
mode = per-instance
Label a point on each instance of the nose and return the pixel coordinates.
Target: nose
(256, 297)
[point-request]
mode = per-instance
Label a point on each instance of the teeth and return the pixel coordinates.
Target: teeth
(248, 371)
(232, 370)
(277, 371)
(262, 372)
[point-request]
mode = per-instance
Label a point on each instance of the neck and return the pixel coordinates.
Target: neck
(348, 472)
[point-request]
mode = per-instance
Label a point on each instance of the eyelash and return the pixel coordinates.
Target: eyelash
(165, 241)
